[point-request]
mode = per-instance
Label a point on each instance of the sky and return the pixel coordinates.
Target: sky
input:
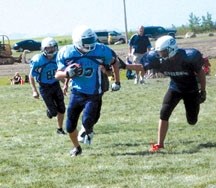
(41, 18)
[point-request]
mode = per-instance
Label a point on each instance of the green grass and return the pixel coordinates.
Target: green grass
(34, 156)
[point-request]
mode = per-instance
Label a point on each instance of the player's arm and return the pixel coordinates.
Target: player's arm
(125, 65)
(65, 87)
(70, 72)
(60, 74)
(115, 69)
(136, 67)
(35, 93)
(202, 79)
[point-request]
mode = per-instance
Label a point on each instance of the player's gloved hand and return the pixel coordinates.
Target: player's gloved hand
(116, 86)
(74, 70)
(202, 96)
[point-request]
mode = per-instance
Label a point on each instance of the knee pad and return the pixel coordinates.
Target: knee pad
(192, 121)
(62, 109)
(165, 113)
(70, 127)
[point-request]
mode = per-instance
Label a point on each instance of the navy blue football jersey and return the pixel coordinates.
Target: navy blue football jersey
(182, 68)
(139, 43)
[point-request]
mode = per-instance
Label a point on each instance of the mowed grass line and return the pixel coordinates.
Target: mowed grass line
(34, 156)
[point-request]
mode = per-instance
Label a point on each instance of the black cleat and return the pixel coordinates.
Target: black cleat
(76, 151)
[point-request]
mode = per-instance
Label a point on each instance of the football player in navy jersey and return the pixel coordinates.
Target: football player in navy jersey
(184, 67)
(83, 63)
(43, 67)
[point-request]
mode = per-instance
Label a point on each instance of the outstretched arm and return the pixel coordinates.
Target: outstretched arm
(136, 67)
(123, 65)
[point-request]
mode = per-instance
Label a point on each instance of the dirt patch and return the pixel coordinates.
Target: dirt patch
(207, 46)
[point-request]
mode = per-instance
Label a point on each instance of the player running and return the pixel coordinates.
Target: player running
(43, 68)
(82, 62)
(184, 67)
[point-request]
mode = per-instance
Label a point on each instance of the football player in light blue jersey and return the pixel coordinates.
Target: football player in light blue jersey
(88, 81)
(85, 63)
(43, 68)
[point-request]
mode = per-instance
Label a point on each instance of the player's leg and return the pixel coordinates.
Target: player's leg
(192, 107)
(91, 114)
(137, 76)
(170, 101)
(82, 132)
(75, 107)
(46, 94)
(59, 101)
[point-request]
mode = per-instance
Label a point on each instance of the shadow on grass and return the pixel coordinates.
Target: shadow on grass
(138, 153)
(167, 150)
(207, 145)
(199, 147)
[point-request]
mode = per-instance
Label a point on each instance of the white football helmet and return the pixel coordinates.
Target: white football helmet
(84, 38)
(166, 43)
(49, 47)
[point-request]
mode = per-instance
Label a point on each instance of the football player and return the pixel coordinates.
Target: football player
(84, 63)
(188, 82)
(43, 68)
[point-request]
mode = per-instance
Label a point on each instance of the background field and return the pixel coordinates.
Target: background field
(34, 156)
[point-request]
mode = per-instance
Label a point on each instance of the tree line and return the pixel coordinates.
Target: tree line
(197, 24)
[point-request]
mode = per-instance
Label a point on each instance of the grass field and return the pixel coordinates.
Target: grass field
(34, 156)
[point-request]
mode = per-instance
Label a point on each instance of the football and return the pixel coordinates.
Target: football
(74, 70)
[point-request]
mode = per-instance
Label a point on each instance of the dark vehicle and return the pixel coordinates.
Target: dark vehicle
(31, 45)
(158, 31)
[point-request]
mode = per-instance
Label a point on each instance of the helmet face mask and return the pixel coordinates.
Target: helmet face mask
(166, 47)
(49, 47)
(89, 43)
(84, 39)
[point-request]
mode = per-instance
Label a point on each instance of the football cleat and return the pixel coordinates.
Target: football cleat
(60, 131)
(88, 138)
(76, 151)
(155, 148)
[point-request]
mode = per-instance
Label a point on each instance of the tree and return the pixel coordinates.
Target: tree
(207, 23)
(194, 23)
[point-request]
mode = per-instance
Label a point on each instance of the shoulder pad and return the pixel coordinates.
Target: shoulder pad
(193, 54)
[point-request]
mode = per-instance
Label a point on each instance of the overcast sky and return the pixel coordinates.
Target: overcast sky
(57, 17)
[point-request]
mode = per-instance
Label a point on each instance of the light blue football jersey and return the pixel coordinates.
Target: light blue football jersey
(43, 69)
(89, 82)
